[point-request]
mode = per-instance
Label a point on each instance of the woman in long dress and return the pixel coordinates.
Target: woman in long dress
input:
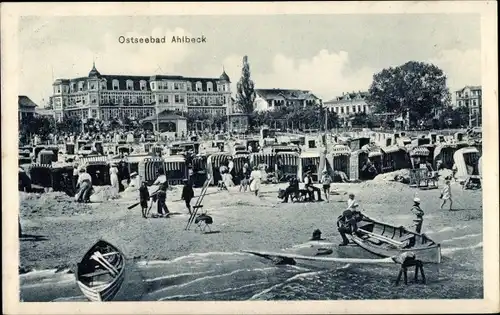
(115, 185)
(255, 179)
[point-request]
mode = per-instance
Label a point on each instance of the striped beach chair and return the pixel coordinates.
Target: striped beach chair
(339, 157)
(41, 174)
(148, 169)
(268, 159)
(175, 169)
(289, 165)
(238, 162)
(199, 164)
(309, 161)
(214, 162)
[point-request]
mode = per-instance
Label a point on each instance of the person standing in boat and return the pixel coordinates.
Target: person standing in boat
(352, 204)
(161, 194)
(419, 215)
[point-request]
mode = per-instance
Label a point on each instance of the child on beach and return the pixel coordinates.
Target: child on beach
(187, 194)
(446, 194)
(326, 180)
(144, 197)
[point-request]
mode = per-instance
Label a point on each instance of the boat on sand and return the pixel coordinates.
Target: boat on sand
(386, 240)
(101, 272)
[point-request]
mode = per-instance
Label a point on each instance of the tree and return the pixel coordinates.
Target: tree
(362, 120)
(245, 92)
(415, 89)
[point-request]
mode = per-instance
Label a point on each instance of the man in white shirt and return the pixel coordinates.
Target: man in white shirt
(161, 194)
(84, 184)
(352, 204)
(310, 187)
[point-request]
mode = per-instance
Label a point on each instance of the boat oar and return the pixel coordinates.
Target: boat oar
(382, 238)
(100, 259)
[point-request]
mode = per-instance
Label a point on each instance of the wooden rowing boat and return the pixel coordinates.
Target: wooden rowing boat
(386, 240)
(101, 272)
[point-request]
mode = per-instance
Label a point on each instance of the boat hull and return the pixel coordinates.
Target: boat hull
(431, 254)
(100, 290)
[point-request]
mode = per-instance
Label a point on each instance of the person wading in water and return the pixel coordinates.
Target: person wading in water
(161, 194)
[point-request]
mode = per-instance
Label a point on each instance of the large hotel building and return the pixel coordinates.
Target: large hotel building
(107, 97)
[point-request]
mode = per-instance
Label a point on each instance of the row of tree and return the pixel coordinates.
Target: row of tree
(415, 92)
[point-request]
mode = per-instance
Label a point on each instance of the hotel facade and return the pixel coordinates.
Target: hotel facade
(471, 97)
(349, 104)
(108, 97)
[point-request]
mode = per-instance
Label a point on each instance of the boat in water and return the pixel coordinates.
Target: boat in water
(386, 240)
(101, 272)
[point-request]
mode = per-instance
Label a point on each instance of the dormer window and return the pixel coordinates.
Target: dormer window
(80, 86)
(142, 84)
(130, 85)
(116, 85)
(210, 86)
(198, 86)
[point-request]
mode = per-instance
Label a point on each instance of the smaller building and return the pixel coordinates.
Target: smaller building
(272, 99)
(471, 97)
(166, 122)
(238, 122)
(25, 107)
(349, 103)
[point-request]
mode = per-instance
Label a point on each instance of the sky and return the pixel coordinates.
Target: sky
(326, 54)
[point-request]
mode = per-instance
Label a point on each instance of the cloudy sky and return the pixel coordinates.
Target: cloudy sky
(327, 54)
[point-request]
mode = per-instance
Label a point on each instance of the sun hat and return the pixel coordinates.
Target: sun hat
(133, 174)
(416, 199)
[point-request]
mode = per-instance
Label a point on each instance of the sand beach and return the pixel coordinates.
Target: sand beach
(58, 230)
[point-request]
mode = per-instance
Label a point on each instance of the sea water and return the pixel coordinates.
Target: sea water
(235, 276)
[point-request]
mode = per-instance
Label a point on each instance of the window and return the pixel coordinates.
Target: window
(364, 108)
(177, 86)
(152, 85)
(116, 85)
(198, 86)
(179, 98)
(342, 110)
(459, 103)
(347, 110)
(142, 84)
(80, 86)
(130, 85)
(474, 102)
(210, 86)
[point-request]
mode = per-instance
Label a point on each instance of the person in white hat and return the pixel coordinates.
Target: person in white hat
(419, 215)
(326, 180)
